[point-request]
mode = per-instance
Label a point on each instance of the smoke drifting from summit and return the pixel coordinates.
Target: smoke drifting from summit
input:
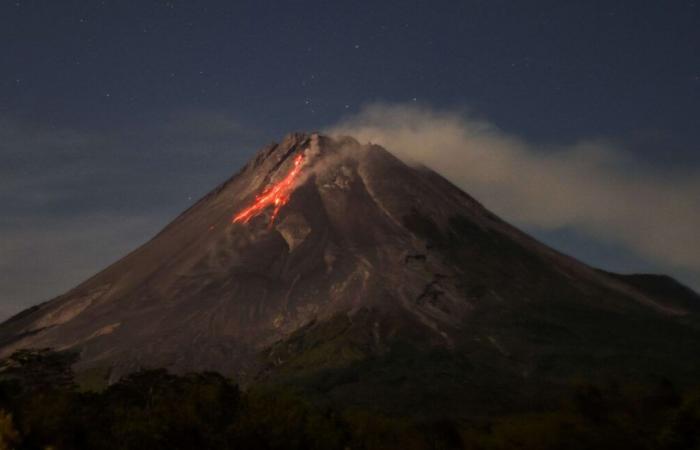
(592, 186)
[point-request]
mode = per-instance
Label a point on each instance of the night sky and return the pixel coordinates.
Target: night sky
(117, 115)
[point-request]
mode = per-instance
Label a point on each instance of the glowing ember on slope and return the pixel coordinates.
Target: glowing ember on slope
(276, 195)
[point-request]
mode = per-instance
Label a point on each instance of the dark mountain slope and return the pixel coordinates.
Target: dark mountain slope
(376, 280)
(663, 288)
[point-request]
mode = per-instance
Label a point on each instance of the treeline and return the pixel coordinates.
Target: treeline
(41, 407)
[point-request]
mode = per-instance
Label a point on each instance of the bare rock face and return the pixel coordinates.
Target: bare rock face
(294, 229)
(365, 255)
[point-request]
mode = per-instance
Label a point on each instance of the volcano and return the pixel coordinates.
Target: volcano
(337, 267)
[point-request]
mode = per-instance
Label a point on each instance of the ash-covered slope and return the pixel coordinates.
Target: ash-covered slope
(367, 260)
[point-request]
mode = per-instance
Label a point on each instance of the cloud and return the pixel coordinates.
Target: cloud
(75, 200)
(40, 260)
(592, 186)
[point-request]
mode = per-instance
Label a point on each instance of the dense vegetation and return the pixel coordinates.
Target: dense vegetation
(42, 407)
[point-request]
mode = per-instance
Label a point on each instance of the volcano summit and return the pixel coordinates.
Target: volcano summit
(337, 267)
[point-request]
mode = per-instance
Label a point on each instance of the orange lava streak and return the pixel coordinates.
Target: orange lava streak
(276, 195)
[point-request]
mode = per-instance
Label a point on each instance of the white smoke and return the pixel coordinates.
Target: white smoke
(591, 186)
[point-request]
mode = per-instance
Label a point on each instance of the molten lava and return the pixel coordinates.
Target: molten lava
(277, 195)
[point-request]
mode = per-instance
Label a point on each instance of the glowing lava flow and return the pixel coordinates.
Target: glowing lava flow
(276, 195)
